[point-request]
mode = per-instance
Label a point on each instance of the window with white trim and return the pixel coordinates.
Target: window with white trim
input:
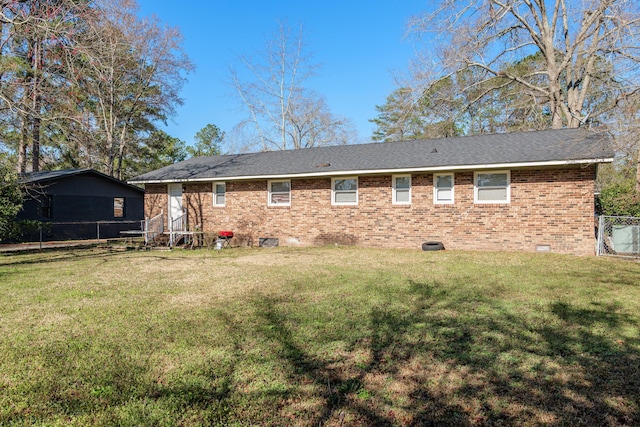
(344, 191)
(219, 193)
(401, 189)
(443, 188)
(280, 192)
(492, 187)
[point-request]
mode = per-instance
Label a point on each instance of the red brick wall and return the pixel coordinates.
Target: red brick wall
(156, 200)
(551, 207)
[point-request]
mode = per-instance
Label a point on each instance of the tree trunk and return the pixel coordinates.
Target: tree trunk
(638, 175)
(36, 105)
(35, 143)
(110, 160)
(121, 151)
(555, 96)
(22, 147)
(557, 122)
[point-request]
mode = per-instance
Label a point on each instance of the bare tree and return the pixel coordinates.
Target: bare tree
(283, 113)
(129, 71)
(464, 102)
(311, 124)
(588, 55)
(581, 43)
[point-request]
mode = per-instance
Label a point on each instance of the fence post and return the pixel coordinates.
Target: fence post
(40, 229)
(600, 234)
(98, 226)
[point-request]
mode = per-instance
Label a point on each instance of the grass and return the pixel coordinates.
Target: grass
(318, 336)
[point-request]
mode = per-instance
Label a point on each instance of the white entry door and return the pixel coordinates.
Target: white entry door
(175, 201)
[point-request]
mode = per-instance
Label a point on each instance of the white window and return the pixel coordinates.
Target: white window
(219, 193)
(492, 187)
(401, 189)
(280, 193)
(443, 188)
(344, 191)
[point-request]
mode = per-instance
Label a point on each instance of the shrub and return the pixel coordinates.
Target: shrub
(10, 200)
(620, 199)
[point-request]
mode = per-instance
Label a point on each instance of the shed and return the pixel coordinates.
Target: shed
(79, 204)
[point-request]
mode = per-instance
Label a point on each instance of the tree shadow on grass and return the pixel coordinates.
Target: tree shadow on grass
(54, 255)
(110, 383)
(464, 359)
(427, 354)
(625, 273)
(336, 387)
(66, 255)
(562, 369)
(60, 256)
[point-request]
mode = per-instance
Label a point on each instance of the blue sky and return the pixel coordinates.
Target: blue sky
(359, 45)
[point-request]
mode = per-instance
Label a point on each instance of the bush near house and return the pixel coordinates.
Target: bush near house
(318, 336)
(620, 199)
(10, 200)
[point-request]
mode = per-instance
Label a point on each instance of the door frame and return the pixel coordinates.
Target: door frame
(172, 195)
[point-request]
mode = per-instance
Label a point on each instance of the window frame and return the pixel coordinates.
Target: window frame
(45, 206)
(269, 192)
(122, 211)
(334, 192)
(436, 188)
(395, 189)
(215, 194)
(492, 202)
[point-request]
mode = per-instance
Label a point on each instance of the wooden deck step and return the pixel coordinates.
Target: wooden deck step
(160, 248)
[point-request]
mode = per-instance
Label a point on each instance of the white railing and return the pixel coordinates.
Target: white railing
(153, 227)
(177, 227)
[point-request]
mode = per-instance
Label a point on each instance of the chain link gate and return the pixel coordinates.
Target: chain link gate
(619, 236)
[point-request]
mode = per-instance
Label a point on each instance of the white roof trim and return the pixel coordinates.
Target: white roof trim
(384, 171)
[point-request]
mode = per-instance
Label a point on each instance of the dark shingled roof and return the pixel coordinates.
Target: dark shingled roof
(481, 151)
(48, 176)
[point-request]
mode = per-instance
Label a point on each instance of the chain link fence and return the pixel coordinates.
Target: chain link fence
(618, 236)
(78, 230)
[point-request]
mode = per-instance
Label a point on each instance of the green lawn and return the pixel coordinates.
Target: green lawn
(318, 336)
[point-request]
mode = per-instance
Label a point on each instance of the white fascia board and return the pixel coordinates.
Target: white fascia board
(385, 171)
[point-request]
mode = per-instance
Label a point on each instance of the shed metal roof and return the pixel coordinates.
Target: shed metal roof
(522, 149)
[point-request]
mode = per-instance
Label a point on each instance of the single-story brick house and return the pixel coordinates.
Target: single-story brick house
(523, 191)
(71, 202)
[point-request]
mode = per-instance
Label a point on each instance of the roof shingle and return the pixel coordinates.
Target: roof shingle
(481, 151)
(48, 176)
